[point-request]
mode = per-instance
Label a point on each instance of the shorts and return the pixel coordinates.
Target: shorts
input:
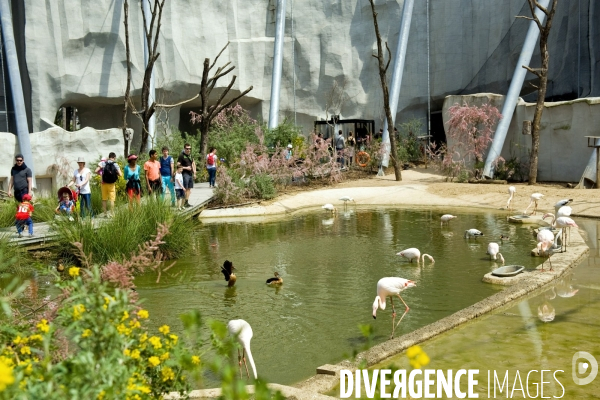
(188, 181)
(133, 193)
(108, 191)
(180, 193)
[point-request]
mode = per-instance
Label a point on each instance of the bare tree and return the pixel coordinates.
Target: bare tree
(126, 99)
(208, 113)
(334, 102)
(383, 66)
(542, 74)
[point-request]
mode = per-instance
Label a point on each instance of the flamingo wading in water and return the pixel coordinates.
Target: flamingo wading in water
(242, 331)
(511, 191)
(446, 218)
(535, 197)
(346, 199)
(391, 287)
(469, 233)
(414, 253)
(494, 251)
(329, 207)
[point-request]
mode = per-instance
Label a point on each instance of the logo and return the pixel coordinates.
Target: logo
(579, 368)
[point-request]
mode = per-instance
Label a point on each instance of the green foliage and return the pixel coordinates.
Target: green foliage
(14, 260)
(409, 147)
(44, 210)
(284, 134)
(116, 238)
(231, 138)
(262, 186)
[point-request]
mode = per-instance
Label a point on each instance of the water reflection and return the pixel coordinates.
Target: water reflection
(546, 312)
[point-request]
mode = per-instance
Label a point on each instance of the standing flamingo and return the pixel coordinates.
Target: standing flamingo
(446, 218)
(329, 207)
(242, 331)
(545, 245)
(346, 199)
(494, 251)
(535, 197)
(562, 203)
(469, 233)
(561, 222)
(414, 253)
(564, 211)
(511, 191)
(391, 287)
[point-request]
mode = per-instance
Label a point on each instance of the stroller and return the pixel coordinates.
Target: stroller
(72, 194)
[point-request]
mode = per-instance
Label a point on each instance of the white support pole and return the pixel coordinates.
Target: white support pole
(407, 11)
(513, 91)
(152, 95)
(277, 65)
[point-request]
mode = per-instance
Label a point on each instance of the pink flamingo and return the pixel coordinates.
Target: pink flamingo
(391, 286)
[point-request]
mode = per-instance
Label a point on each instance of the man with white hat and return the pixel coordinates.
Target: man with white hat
(81, 180)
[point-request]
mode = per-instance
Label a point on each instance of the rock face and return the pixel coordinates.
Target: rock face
(563, 153)
(75, 54)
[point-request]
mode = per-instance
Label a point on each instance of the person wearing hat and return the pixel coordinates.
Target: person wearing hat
(132, 176)
(81, 180)
(21, 178)
(288, 152)
(23, 215)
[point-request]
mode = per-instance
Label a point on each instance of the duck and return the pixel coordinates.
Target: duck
(277, 280)
(227, 270)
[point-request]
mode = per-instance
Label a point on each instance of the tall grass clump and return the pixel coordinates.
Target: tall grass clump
(44, 211)
(115, 239)
(14, 260)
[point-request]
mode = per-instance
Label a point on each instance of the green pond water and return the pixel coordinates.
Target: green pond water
(330, 269)
(517, 338)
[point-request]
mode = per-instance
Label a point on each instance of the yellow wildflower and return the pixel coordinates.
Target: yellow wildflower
(143, 314)
(36, 337)
(144, 389)
(6, 375)
(155, 341)
(174, 338)
(125, 316)
(6, 360)
(413, 351)
(123, 330)
(25, 350)
(74, 271)
(19, 340)
(167, 374)
(101, 395)
(134, 323)
(195, 360)
(127, 352)
(78, 309)
(143, 337)
(164, 356)
(86, 333)
(22, 385)
(28, 367)
(164, 329)
(135, 354)
(418, 358)
(154, 361)
(43, 326)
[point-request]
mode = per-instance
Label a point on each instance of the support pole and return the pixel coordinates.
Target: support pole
(407, 11)
(597, 167)
(513, 91)
(152, 121)
(15, 85)
(277, 65)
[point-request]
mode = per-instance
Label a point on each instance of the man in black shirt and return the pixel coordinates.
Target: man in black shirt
(189, 171)
(20, 178)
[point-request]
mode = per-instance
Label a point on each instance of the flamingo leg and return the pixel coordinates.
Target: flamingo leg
(550, 261)
(401, 318)
(393, 317)
(245, 364)
(240, 363)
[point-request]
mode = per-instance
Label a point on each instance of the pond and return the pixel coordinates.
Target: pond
(330, 268)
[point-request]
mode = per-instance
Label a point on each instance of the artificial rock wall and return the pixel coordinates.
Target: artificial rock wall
(76, 54)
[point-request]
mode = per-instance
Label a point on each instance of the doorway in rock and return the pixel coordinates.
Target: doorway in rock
(438, 133)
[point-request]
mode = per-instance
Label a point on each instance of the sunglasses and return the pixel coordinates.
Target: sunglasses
(19, 160)
(188, 148)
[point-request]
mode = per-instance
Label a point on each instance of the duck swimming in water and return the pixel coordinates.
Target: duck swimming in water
(227, 270)
(277, 280)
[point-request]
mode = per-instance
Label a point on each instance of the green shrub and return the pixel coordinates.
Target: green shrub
(283, 134)
(262, 186)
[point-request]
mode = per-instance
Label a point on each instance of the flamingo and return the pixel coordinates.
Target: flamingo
(413, 253)
(346, 199)
(545, 245)
(469, 233)
(329, 207)
(494, 251)
(564, 211)
(511, 191)
(561, 222)
(446, 218)
(242, 331)
(562, 203)
(391, 286)
(277, 280)
(227, 270)
(535, 197)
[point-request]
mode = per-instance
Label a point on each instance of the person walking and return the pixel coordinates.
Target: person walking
(23, 216)
(189, 171)
(351, 148)
(340, 145)
(179, 187)
(152, 169)
(131, 174)
(167, 175)
(21, 179)
(81, 180)
(211, 166)
(110, 172)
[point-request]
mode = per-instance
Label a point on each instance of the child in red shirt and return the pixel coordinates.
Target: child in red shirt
(23, 216)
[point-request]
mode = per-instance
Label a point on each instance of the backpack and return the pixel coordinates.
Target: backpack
(109, 173)
(339, 143)
(211, 159)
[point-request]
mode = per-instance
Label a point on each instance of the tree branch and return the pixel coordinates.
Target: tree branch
(177, 104)
(536, 71)
(218, 55)
(389, 57)
(221, 108)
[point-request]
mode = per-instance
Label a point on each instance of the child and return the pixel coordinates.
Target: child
(66, 206)
(179, 190)
(23, 216)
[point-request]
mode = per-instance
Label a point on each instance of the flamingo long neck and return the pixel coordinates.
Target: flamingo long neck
(553, 223)
(423, 257)
(249, 355)
(381, 302)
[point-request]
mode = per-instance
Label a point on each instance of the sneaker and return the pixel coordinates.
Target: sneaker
(19, 234)
(188, 205)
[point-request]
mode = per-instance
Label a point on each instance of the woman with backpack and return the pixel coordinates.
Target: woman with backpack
(110, 172)
(132, 176)
(211, 166)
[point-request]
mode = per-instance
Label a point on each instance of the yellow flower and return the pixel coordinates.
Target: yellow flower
(123, 330)
(28, 367)
(25, 350)
(413, 351)
(127, 352)
(86, 333)
(164, 329)
(144, 389)
(43, 326)
(135, 354)
(19, 340)
(125, 316)
(6, 360)
(143, 337)
(154, 361)
(155, 341)
(134, 323)
(174, 338)
(101, 395)
(74, 271)
(6, 375)
(195, 360)
(143, 314)
(36, 337)
(167, 374)
(418, 358)
(78, 309)
(164, 356)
